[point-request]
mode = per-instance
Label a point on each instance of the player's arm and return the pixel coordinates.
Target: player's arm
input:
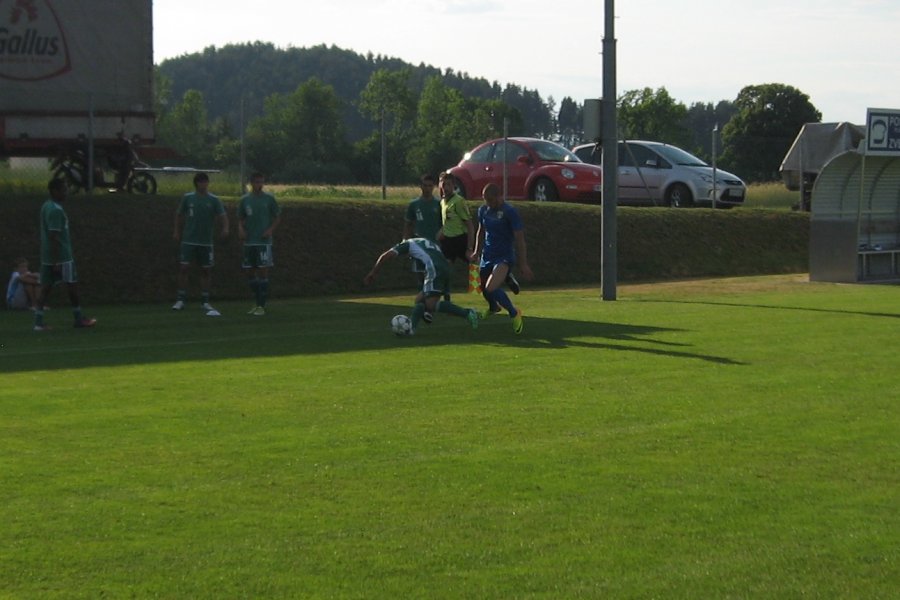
(222, 218)
(385, 256)
(271, 230)
(522, 255)
(479, 243)
(179, 224)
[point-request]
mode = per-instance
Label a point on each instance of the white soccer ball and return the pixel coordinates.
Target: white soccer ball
(401, 325)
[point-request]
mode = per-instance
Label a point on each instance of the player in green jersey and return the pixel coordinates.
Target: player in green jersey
(258, 217)
(423, 214)
(437, 274)
(57, 261)
(195, 218)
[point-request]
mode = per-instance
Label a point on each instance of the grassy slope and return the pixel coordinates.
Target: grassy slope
(723, 438)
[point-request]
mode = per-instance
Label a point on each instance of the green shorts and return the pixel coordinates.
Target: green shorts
(59, 273)
(258, 256)
(202, 255)
(437, 285)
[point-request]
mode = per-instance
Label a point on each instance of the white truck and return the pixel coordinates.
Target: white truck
(75, 74)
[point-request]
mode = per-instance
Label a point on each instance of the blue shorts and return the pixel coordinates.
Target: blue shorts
(487, 267)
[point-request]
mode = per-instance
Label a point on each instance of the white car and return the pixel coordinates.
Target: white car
(652, 173)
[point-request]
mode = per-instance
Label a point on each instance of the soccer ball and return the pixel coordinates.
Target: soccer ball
(401, 325)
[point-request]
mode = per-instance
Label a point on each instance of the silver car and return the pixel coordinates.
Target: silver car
(652, 173)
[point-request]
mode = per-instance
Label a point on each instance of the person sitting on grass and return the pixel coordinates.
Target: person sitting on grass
(22, 289)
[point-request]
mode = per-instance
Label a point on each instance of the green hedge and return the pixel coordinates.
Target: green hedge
(125, 251)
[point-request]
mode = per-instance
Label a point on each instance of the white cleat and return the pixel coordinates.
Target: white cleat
(178, 305)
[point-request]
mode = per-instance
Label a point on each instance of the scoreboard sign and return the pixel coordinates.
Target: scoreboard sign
(883, 132)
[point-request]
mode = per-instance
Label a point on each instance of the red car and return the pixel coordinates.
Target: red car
(536, 170)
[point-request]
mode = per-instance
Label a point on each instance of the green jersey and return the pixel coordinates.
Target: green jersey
(200, 214)
(54, 219)
(454, 213)
(425, 215)
(258, 212)
(426, 252)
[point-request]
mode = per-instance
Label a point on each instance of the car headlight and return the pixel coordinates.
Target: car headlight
(568, 173)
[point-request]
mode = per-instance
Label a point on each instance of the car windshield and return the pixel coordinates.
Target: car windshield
(550, 152)
(679, 157)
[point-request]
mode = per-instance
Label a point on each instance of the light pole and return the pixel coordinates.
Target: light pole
(608, 242)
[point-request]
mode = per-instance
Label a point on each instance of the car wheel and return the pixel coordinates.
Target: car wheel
(544, 191)
(679, 196)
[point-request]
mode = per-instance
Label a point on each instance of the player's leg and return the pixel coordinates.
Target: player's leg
(185, 257)
(264, 263)
(47, 279)
(70, 278)
(207, 261)
(495, 292)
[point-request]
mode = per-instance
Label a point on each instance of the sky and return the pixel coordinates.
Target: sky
(842, 53)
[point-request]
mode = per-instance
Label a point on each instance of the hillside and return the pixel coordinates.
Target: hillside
(255, 71)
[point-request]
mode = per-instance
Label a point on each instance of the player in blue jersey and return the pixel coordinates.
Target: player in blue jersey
(501, 244)
(436, 279)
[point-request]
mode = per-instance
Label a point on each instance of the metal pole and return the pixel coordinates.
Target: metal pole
(383, 159)
(90, 148)
(505, 157)
(608, 242)
(715, 174)
(243, 174)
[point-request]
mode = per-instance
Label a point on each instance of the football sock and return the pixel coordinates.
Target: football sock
(452, 309)
(182, 295)
(417, 313)
(499, 296)
(76, 312)
(39, 317)
(254, 287)
(263, 294)
(204, 297)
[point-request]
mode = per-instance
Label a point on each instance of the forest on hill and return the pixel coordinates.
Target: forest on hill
(316, 114)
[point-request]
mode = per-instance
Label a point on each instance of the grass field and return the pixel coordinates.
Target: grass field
(709, 439)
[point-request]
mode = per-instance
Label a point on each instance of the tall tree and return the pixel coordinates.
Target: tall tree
(186, 129)
(652, 115)
(439, 119)
(569, 122)
(768, 119)
(388, 100)
(701, 119)
(300, 136)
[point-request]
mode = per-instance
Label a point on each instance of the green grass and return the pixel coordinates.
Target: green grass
(771, 195)
(708, 439)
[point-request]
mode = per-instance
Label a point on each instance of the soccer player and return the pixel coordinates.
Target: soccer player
(423, 214)
(437, 275)
(258, 217)
(57, 261)
(195, 217)
(501, 244)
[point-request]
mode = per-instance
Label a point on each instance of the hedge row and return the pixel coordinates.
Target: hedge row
(125, 251)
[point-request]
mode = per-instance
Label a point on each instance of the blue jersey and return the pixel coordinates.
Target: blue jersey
(500, 227)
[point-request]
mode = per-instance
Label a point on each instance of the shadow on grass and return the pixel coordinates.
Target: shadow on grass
(143, 335)
(813, 309)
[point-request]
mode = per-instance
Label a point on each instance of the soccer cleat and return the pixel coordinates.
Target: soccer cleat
(472, 316)
(207, 306)
(42, 328)
(179, 304)
(252, 311)
(484, 313)
(427, 317)
(85, 322)
(213, 312)
(518, 323)
(259, 311)
(512, 283)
